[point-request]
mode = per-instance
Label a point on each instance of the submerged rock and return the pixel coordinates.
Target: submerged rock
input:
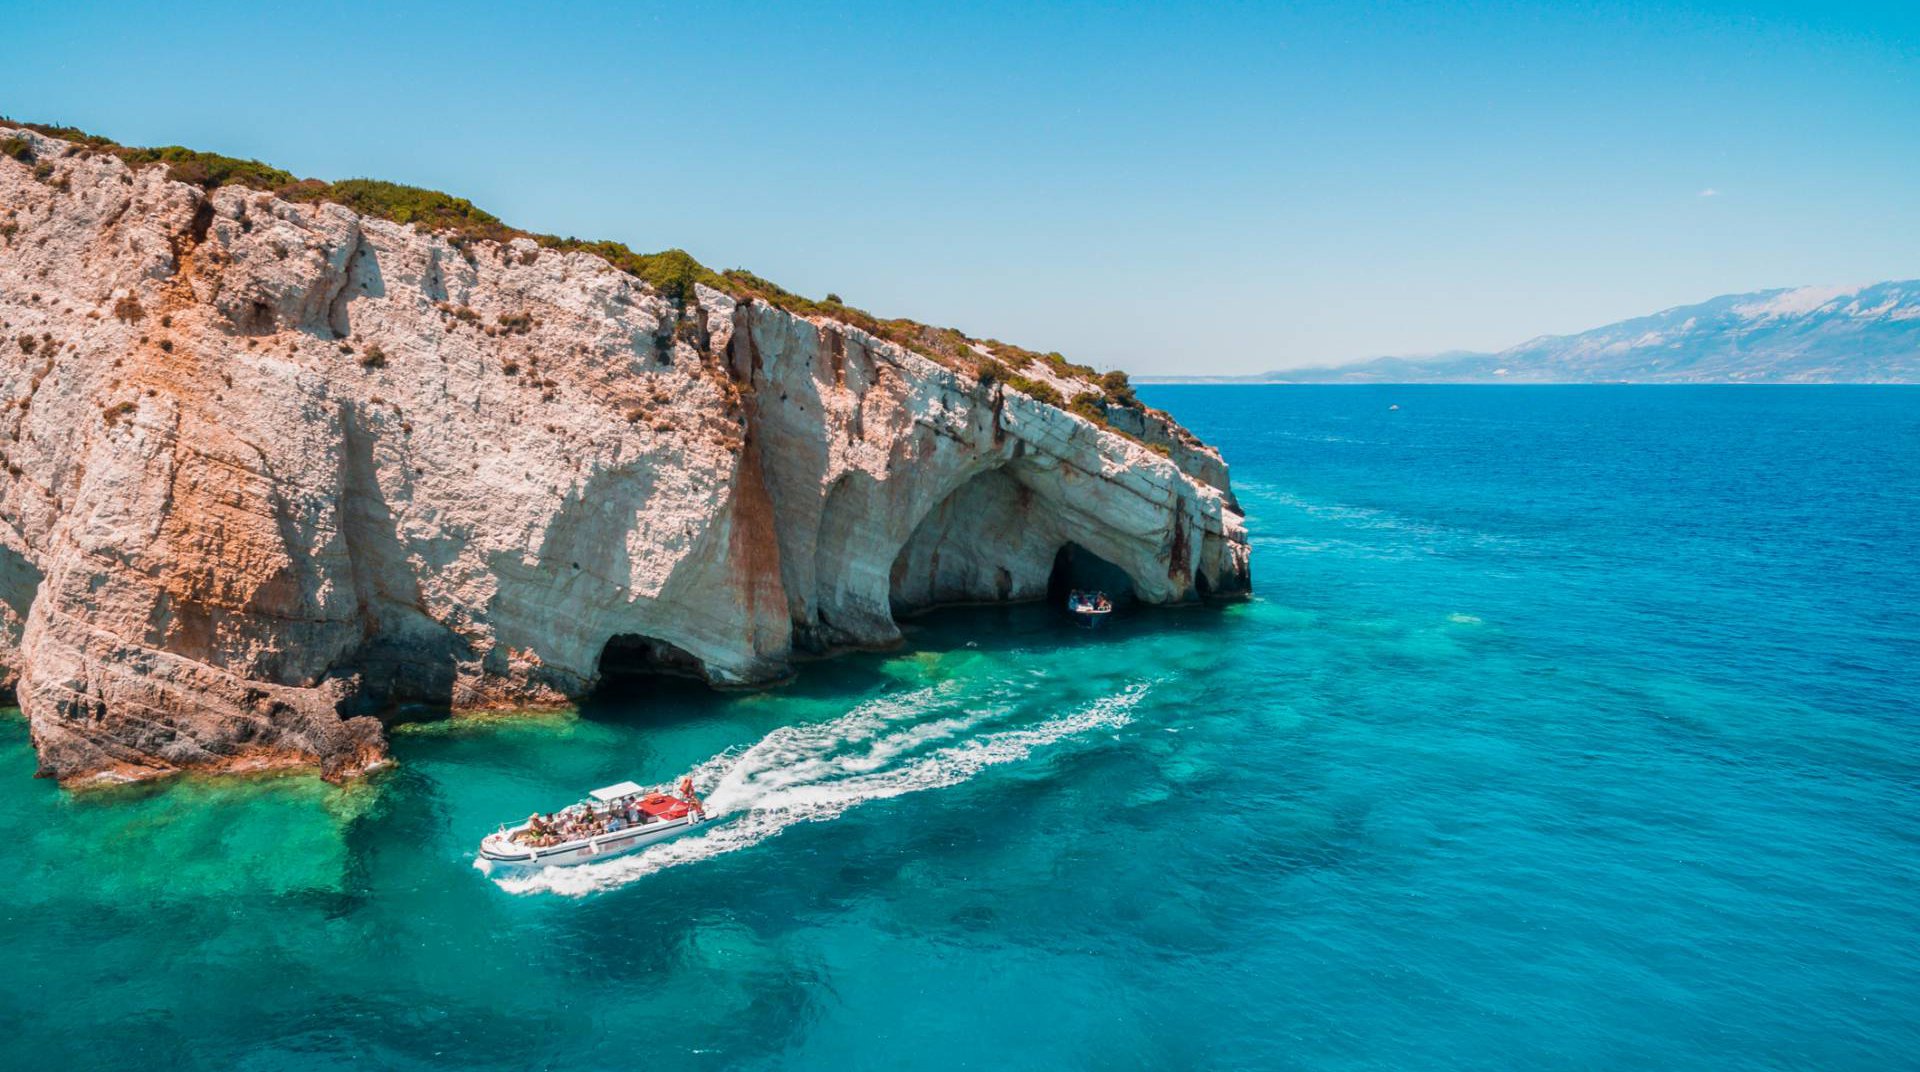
(268, 469)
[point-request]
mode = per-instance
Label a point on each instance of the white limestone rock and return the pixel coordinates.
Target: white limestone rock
(269, 468)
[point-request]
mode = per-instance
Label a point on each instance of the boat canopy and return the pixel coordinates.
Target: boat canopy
(616, 791)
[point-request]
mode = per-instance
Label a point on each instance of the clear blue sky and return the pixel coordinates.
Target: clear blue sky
(1182, 187)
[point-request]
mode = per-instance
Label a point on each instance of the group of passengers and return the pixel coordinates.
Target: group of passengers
(580, 821)
(1088, 601)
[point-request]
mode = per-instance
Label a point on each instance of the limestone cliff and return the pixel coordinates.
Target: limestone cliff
(271, 471)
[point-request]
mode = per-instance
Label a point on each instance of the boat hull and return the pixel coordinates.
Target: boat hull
(500, 852)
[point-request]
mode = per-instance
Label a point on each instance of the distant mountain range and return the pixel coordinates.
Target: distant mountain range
(1860, 334)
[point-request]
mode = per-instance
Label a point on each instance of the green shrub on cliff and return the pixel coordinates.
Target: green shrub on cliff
(64, 133)
(1088, 405)
(672, 272)
(992, 370)
(72, 134)
(1038, 390)
(210, 171)
(431, 209)
(1119, 390)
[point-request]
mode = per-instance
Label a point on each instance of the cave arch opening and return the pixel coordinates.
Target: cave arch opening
(1075, 567)
(635, 669)
(635, 655)
(989, 541)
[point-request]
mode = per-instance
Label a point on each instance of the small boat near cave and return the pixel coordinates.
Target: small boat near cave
(617, 819)
(1089, 609)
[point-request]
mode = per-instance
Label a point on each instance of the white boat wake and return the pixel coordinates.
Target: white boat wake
(811, 773)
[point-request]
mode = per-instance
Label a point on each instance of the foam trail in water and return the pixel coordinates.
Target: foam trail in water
(811, 773)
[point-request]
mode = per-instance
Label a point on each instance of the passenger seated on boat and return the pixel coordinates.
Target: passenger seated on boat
(538, 832)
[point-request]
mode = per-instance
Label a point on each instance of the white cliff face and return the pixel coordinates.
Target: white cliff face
(899, 482)
(270, 468)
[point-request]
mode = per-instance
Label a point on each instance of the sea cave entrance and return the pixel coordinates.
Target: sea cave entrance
(630, 655)
(646, 677)
(635, 668)
(1076, 567)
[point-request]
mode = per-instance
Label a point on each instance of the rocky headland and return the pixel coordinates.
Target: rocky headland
(281, 461)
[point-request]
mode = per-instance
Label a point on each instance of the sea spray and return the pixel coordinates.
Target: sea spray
(817, 772)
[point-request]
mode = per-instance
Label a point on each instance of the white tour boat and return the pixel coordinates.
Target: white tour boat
(614, 820)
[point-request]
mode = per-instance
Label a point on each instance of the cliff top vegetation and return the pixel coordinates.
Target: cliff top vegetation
(672, 272)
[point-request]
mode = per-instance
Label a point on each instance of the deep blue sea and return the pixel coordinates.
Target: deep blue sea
(1570, 728)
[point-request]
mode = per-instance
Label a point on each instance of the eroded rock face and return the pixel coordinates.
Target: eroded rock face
(270, 469)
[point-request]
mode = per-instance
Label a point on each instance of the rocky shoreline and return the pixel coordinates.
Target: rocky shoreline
(269, 469)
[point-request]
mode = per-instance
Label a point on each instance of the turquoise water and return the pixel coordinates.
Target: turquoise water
(1571, 728)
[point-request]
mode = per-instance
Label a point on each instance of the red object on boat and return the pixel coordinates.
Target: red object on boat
(662, 806)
